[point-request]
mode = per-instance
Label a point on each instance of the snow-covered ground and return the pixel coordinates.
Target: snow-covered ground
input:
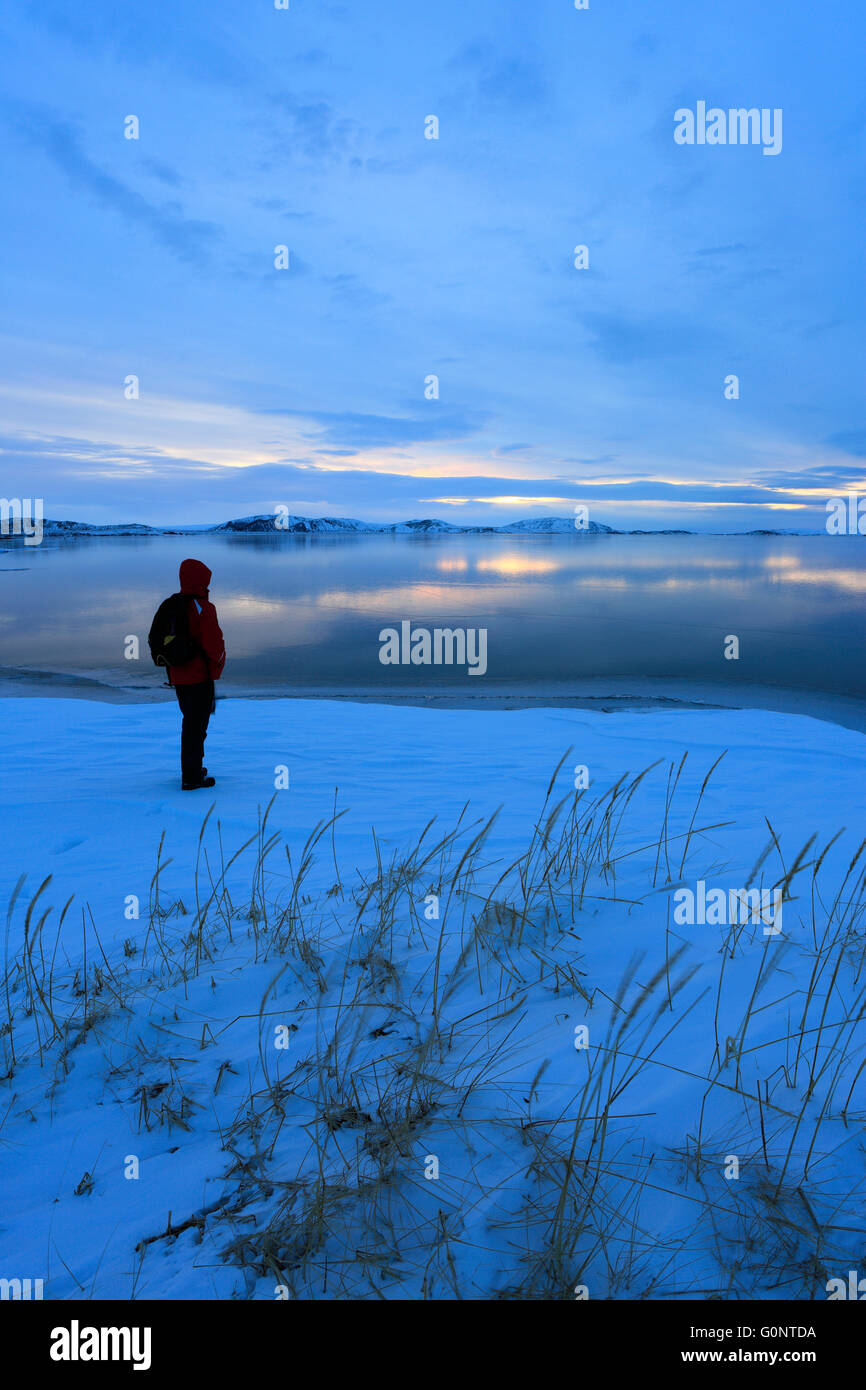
(434, 1123)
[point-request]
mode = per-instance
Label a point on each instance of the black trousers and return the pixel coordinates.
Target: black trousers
(197, 703)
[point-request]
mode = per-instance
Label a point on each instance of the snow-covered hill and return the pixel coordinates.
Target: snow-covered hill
(323, 525)
(292, 525)
(266, 524)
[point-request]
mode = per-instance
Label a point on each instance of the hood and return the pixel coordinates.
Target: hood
(194, 578)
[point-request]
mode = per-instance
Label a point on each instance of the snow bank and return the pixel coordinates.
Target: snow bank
(159, 1139)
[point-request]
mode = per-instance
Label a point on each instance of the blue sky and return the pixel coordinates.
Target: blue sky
(412, 257)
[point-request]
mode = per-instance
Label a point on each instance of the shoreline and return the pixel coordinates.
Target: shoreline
(606, 696)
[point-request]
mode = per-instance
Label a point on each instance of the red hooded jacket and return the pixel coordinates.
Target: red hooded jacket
(204, 628)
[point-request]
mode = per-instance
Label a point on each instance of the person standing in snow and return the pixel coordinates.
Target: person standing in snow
(194, 682)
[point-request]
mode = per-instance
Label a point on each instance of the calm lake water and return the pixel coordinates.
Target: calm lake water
(304, 613)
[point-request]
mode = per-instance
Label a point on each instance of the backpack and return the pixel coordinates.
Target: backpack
(169, 637)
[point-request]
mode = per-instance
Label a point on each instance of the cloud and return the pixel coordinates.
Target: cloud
(722, 250)
(281, 206)
(315, 129)
(163, 172)
(60, 141)
(460, 256)
(352, 289)
(852, 441)
(347, 427)
(144, 35)
(74, 476)
(513, 79)
(623, 340)
(645, 43)
(827, 477)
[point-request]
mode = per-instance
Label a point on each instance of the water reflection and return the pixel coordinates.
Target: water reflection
(306, 611)
(787, 569)
(512, 564)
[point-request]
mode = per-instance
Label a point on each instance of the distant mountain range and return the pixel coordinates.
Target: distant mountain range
(330, 525)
